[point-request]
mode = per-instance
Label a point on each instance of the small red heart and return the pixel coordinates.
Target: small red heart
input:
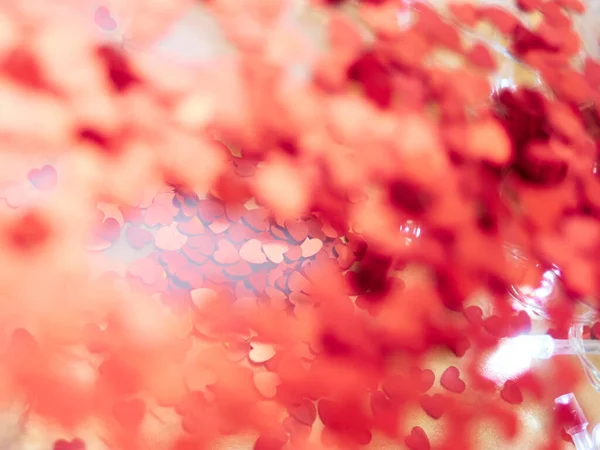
(434, 405)
(451, 380)
(511, 393)
(130, 413)
(43, 179)
(424, 379)
(417, 440)
(460, 346)
(474, 315)
(75, 444)
(304, 412)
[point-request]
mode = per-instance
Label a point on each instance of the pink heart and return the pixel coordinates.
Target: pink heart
(43, 179)
(104, 20)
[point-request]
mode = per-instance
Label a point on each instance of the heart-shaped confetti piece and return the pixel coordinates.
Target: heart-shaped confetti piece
(261, 352)
(252, 252)
(104, 20)
(423, 378)
(297, 230)
(274, 251)
(138, 237)
(451, 380)
(44, 179)
(417, 439)
(266, 383)
(434, 405)
(226, 253)
(310, 247)
(169, 238)
(511, 393)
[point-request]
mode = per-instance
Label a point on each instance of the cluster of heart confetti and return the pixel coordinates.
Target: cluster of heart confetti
(309, 221)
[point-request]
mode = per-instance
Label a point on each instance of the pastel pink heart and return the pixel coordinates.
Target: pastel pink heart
(169, 238)
(104, 20)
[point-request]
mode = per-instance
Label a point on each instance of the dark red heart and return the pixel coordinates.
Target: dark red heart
(417, 440)
(434, 405)
(451, 380)
(423, 378)
(511, 393)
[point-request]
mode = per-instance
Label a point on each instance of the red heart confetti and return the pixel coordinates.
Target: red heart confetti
(417, 440)
(434, 405)
(451, 380)
(511, 393)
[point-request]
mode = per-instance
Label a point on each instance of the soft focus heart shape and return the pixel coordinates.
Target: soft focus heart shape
(266, 383)
(451, 380)
(138, 237)
(434, 405)
(252, 252)
(275, 251)
(130, 413)
(104, 20)
(424, 379)
(226, 253)
(511, 393)
(297, 230)
(75, 444)
(169, 238)
(310, 247)
(261, 352)
(304, 412)
(417, 440)
(44, 179)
